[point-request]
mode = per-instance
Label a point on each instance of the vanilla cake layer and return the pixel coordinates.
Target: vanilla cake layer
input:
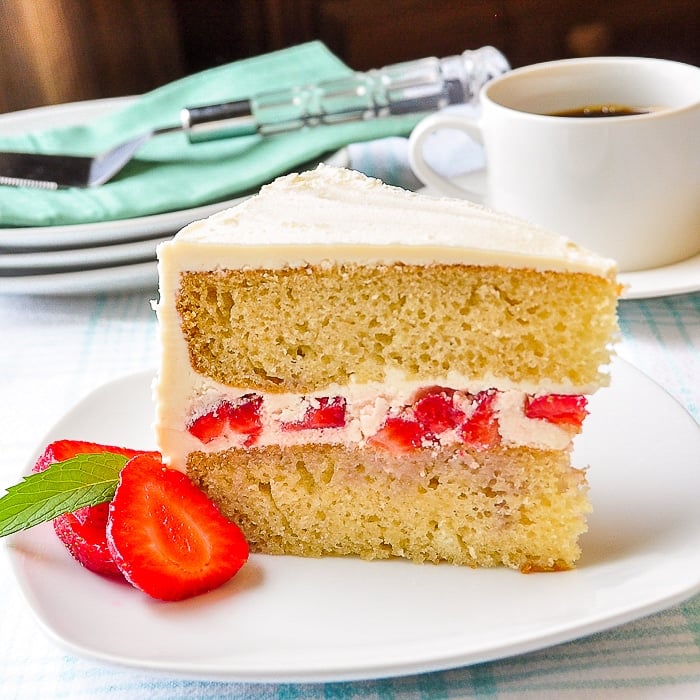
(330, 289)
(352, 323)
(519, 508)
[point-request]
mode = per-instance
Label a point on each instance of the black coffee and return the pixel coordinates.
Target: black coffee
(606, 110)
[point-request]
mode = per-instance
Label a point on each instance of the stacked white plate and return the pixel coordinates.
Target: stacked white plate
(88, 258)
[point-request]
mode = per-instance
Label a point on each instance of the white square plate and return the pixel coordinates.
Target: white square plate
(290, 619)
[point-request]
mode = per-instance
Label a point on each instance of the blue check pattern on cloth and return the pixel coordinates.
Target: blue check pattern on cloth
(56, 350)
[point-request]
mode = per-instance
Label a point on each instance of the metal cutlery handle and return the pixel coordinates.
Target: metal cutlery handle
(423, 85)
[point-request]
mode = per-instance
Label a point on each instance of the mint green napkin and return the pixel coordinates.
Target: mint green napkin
(169, 173)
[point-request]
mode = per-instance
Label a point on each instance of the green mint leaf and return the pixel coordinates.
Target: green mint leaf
(83, 480)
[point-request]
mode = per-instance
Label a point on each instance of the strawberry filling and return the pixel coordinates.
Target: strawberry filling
(432, 413)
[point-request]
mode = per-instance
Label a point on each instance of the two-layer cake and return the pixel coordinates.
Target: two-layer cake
(352, 369)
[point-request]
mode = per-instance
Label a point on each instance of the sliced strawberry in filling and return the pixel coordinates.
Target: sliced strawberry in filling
(242, 417)
(561, 409)
(480, 430)
(245, 418)
(209, 426)
(398, 434)
(435, 411)
(324, 412)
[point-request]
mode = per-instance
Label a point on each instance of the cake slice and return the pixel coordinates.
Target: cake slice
(352, 369)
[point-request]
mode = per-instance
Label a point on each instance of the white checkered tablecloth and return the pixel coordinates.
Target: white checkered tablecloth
(56, 350)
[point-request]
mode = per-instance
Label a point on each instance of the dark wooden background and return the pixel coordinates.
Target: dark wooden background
(54, 51)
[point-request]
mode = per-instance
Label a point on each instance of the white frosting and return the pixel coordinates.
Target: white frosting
(333, 216)
(340, 216)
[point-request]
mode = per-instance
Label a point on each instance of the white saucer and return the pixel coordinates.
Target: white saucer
(679, 278)
(285, 619)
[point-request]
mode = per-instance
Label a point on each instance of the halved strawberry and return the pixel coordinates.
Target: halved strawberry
(84, 532)
(435, 411)
(480, 430)
(61, 450)
(324, 412)
(563, 409)
(398, 435)
(167, 538)
(242, 417)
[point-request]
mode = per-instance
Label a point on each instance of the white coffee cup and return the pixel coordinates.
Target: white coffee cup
(627, 187)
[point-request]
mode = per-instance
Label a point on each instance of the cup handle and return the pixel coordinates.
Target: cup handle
(423, 170)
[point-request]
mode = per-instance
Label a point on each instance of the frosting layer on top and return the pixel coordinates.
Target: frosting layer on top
(332, 214)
